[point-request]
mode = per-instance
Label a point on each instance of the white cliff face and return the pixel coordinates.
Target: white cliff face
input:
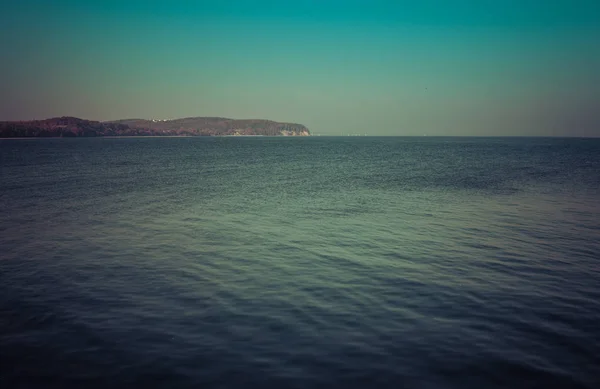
(294, 133)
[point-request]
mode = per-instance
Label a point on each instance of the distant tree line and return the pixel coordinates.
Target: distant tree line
(75, 127)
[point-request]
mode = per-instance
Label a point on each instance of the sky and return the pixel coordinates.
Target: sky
(429, 67)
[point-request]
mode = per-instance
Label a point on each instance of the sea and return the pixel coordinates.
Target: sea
(300, 262)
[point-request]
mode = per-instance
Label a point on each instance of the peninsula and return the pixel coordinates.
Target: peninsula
(194, 126)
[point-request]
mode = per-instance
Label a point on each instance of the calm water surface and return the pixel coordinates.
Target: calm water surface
(300, 263)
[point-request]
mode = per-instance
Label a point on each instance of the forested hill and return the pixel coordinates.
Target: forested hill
(218, 126)
(61, 127)
(199, 126)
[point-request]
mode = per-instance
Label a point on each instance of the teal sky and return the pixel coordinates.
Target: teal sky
(370, 67)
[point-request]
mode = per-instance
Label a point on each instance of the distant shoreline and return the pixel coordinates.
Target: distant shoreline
(150, 136)
(67, 126)
(311, 136)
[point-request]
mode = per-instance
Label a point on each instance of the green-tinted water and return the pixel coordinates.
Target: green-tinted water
(303, 262)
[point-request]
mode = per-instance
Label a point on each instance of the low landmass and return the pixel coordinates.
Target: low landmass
(194, 126)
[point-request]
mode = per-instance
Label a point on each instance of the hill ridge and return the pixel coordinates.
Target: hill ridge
(70, 126)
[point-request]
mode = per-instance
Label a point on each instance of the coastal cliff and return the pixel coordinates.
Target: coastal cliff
(194, 126)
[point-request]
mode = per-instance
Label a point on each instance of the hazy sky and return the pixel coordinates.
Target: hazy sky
(436, 67)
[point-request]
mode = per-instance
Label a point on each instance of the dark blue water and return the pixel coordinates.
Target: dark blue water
(300, 263)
